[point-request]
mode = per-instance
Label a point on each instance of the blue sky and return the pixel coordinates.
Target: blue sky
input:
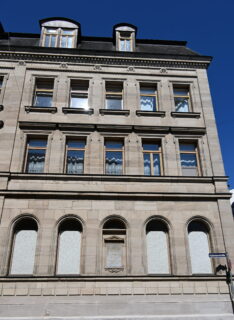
(207, 25)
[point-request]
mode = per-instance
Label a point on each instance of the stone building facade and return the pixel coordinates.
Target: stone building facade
(113, 190)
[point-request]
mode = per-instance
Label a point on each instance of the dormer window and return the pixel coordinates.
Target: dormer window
(58, 33)
(125, 35)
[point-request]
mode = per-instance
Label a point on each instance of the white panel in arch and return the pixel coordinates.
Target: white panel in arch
(157, 252)
(69, 252)
(24, 252)
(199, 252)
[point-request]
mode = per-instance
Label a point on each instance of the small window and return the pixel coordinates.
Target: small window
(198, 235)
(114, 157)
(79, 94)
(157, 247)
(75, 151)
(182, 99)
(148, 98)
(35, 155)
(59, 37)
(69, 247)
(43, 94)
(189, 159)
(114, 234)
(24, 247)
(152, 159)
(1, 84)
(114, 95)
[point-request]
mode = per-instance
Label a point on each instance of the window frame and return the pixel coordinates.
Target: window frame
(83, 139)
(148, 85)
(114, 93)
(152, 152)
(124, 37)
(28, 138)
(107, 139)
(196, 152)
(182, 86)
(59, 36)
(43, 90)
(79, 93)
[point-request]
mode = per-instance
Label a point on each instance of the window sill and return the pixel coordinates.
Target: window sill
(40, 109)
(114, 112)
(150, 113)
(1, 107)
(77, 110)
(186, 114)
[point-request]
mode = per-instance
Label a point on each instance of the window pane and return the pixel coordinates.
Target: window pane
(35, 161)
(37, 143)
(114, 103)
(147, 168)
(24, 252)
(114, 145)
(189, 164)
(122, 45)
(157, 252)
(156, 165)
(181, 92)
(199, 252)
(181, 105)
(51, 30)
(79, 102)
(147, 90)
(114, 162)
(63, 42)
(43, 100)
(114, 254)
(128, 44)
(53, 41)
(75, 161)
(148, 103)
(69, 42)
(187, 146)
(67, 32)
(151, 146)
(47, 41)
(69, 252)
(76, 144)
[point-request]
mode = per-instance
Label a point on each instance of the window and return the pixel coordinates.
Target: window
(59, 37)
(198, 235)
(157, 247)
(182, 99)
(24, 247)
(69, 247)
(114, 157)
(114, 95)
(75, 150)
(79, 94)
(35, 155)
(43, 94)
(152, 159)
(114, 234)
(125, 41)
(148, 98)
(1, 84)
(189, 159)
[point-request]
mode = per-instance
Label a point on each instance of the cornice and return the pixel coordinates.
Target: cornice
(162, 61)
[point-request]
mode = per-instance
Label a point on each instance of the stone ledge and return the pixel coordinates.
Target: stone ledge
(186, 114)
(121, 112)
(140, 113)
(77, 110)
(40, 109)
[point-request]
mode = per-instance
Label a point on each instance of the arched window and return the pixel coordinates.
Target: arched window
(114, 245)
(24, 247)
(157, 247)
(69, 247)
(198, 235)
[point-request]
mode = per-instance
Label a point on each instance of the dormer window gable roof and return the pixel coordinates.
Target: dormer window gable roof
(124, 36)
